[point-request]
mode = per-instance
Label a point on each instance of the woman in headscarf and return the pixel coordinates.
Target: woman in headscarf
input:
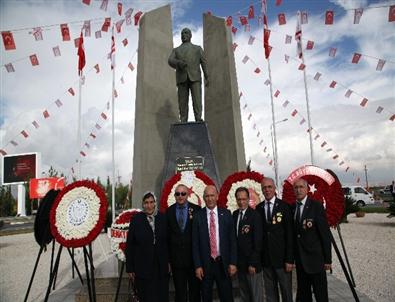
(146, 252)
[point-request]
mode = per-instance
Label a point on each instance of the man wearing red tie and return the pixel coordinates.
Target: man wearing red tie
(214, 248)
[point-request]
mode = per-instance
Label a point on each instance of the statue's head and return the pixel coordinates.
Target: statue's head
(186, 35)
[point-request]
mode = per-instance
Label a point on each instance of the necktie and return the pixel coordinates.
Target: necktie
(213, 236)
(268, 213)
(181, 217)
(239, 222)
(151, 222)
(297, 216)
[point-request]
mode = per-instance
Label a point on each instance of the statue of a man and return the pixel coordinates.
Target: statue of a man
(187, 59)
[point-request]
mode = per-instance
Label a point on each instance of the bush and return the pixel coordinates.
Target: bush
(350, 207)
(374, 210)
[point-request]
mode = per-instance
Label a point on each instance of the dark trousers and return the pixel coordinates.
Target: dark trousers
(307, 281)
(272, 278)
(183, 98)
(216, 273)
(186, 285)
(153, 290)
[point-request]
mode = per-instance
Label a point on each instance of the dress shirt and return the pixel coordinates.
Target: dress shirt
(216, 226)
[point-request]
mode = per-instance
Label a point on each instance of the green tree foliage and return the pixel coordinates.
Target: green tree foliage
(7, 202)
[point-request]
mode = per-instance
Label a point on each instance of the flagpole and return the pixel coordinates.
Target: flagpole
(113, 124)
(79, 125)
(307, 96)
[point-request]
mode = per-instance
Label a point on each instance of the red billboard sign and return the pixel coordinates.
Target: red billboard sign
(38, 187)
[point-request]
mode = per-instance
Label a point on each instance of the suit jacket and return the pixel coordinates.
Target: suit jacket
(277, 235)
(312, 238)
(201, 239)
(142, 255)
(180, 243)
(193, 55)
(249, 240)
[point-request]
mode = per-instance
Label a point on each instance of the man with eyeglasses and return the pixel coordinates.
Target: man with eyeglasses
(179, 224)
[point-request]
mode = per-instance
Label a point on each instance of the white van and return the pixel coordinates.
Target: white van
(358, 193)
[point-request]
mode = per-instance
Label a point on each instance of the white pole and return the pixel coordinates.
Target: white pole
(79, 126)
(307, 98)
(21, 200)
(112, 129)
(275, 153)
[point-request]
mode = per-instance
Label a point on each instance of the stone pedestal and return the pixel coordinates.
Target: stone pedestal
(221, 105)
(156, 102)
(189, 146)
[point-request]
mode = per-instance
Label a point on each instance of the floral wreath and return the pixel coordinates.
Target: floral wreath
(251, 180)
(119, 232)
(78, 214)
(196, 181)
(324, 186)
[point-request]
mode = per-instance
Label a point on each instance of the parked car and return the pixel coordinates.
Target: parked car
(359, 194)
(386, 190)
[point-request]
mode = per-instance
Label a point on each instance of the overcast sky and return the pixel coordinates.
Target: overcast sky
(358, 135)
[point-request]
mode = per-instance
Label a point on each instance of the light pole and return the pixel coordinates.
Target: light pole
(275, 158)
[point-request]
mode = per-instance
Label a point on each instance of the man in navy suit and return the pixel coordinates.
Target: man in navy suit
(179, 233)
(312, 246)
(214, 248)
(277, 251)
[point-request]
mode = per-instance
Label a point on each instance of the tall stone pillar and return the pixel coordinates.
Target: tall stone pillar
(221, 100)
(156, 102)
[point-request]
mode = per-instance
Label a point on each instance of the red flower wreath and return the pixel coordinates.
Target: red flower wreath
(241, 178)
(72, 227)
(173, 181)
(324, 186)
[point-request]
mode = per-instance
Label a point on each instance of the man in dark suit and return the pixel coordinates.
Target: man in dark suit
(146, 253)
(312, 245)
(248, 226)
(179, 233)
(277, 244)
(187, 59)
(214, 248)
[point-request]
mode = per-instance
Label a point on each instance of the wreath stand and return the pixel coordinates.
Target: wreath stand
(119, 281)
(89, 269)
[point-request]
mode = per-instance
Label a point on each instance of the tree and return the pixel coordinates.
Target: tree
(7, 202)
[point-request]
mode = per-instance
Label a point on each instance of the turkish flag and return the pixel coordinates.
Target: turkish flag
(251, 40)
(380, 65)
(98, 34)
(379, 109)
(316, 137)
(257, 70)
(278, 2)
(243, 20)
(34, 60)
(229, 21)
(137, 17)
(301, 66)
(332, 52)
(245, 59)
(106, 24)
(56, 51)
(103, 115)
(333, 84)
(329, 17)
(303, 18)
(125, 42)
(58, 103)
(81, 55)
(131, 67)
(285, 104)
(234, 30)
(83, 153)
(277, 93)
(71, 91)
(348, 93)
(87, 2)
(64, 28)
(251, 12)
(266, 36)
(392, 118)
(391, 13)
(310, 45)
(356, 57)
(294, 112)
(336, 156)
(119, 6)
(364, 102)
(281, 19)
(3, 152)
(357, 15)
(118, 25)
(24, 133)
(323, 144)
(38, 33)
(317, 76)
(103, 5)
(97, 68)
(92, 135)
(35, 124)
(8, 40)
(46, 114)
(267, 82)
(9, 67)
(288, 39)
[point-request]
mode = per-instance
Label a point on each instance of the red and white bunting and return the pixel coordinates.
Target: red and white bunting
(64, 29)
(92, 135)
(34, 60)
(316, 137)
(285, 104)
(119, 7)
(8, 40)
(332, 52)
(97, 126)
(380, 65)
(83, 153)
(355, 58)
(341, 163)
(245, 59)
(35, 124)
(58, 103)
(2, 152)
(277, 93)
(234, 30)
(304, 18)
(329, 16)
(302, 121)
(301, 66)
(125, 42)
(332, 84)
(103, 115)
(391, 13)
(309, 45)
(329, 150)
(251, 13)
(14, 143)
(251, 40)
(37, 33)
(379, 109)
(357, 15)
(98, 34)
(56, 51)
(104, 5)
(137, 17)
(131, 67)
(364, 102)
(294, 112)
(106, 24)
(97, 68)
(323, 144)
(257, 70)
(348, 93)
(267, 82)
(87, 2)
(71, 91)
(87, 28)
(234, 46)
(281, 19)
(317, 76)
(392, 118)
(243, 20)
(9, 67)
(336, 156)
(118, 25)
(229, 21)
(46, 114)
(278, 2)
(24, 134)
(288, 39)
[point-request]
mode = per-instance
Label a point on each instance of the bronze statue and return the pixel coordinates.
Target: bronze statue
(187, 59)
